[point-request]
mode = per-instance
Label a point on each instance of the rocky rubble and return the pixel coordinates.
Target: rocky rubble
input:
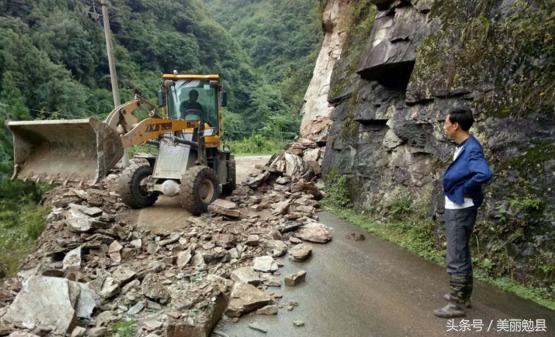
(92, 267)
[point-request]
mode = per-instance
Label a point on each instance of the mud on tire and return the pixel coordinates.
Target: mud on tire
(199, 187)
(129, 187)
(228, 188)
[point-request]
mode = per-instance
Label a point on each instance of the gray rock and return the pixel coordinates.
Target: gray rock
(295, 278)
(151, 325)
(90, 211)
(22, 334)
(135, 309)
(214, 255)
(294, 165)
(281, 207)
(202, 324)
(300, 252)
(268, 310)
(246, 298)
(258, 179)
(278, 247)
(252, 240)
(110, 287)
(123, 275)
(55, 215)
(298, 323)
(198, 260)
(224, 240)
(173, 238)
(114, 251)
(225, 207)
(72, 260)
(314, 232)
(78, 332)
(183, 258)
(77, 221)
(133, 284)
(283, 180)
(312, 155)
(265, 264)
(153, 288)
(105, 318)
(271, 280)
(44, 301)
(246, 275)
(137, 243)
(87, 301)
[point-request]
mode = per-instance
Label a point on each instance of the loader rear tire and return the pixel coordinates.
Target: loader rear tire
(199, 187)
(132, 190)
(228, 188)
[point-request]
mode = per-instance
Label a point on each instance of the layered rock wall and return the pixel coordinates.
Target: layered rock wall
(403, 65)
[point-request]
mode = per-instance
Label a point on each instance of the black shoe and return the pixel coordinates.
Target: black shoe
(467, 303)
(451, 310)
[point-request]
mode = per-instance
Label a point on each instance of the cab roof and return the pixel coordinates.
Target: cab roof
(176, 77)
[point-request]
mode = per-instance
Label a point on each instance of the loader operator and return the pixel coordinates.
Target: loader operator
(191, 107)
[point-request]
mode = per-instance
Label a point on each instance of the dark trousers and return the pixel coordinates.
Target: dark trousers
(459, 224)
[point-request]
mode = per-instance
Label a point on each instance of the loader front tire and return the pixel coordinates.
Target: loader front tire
(132, 189)
(199, 187)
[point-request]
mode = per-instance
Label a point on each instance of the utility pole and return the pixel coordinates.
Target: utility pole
(112, 65)
(111, 61)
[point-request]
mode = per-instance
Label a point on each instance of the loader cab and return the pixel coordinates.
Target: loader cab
(195, 98)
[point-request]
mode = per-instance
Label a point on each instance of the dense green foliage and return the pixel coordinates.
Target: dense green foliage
(256, 144)
(53, 64)
(281, 38)
(21, 222)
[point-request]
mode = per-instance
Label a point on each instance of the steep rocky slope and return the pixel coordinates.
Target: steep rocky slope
(401, 66)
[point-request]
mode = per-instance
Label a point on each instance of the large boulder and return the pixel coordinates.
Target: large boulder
(45, 301)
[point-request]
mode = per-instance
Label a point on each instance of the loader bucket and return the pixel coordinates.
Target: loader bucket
(80, 150)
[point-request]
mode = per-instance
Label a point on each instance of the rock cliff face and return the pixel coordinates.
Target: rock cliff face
(402, 65)
(316, 109)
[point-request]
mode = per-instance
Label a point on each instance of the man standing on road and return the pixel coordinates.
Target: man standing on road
(462, 184)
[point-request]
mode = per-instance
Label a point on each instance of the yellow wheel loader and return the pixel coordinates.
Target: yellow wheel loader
(191, 163)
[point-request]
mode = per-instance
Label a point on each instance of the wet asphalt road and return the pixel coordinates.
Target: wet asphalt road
(373, 288)
(369, 288)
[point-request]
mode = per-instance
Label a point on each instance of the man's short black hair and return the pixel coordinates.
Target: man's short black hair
(462, 116)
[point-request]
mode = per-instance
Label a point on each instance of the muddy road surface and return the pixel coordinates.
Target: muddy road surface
(166, 216)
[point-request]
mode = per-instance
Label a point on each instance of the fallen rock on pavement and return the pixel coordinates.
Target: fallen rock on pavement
(265, 264)
(246, 275)
(268, 310)
(295, 279)
(246, 298)
(314, 232)
(300, 252)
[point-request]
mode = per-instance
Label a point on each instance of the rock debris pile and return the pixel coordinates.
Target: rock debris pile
(93, 267)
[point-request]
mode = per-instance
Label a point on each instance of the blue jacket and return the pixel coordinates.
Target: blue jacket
(466, 174)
